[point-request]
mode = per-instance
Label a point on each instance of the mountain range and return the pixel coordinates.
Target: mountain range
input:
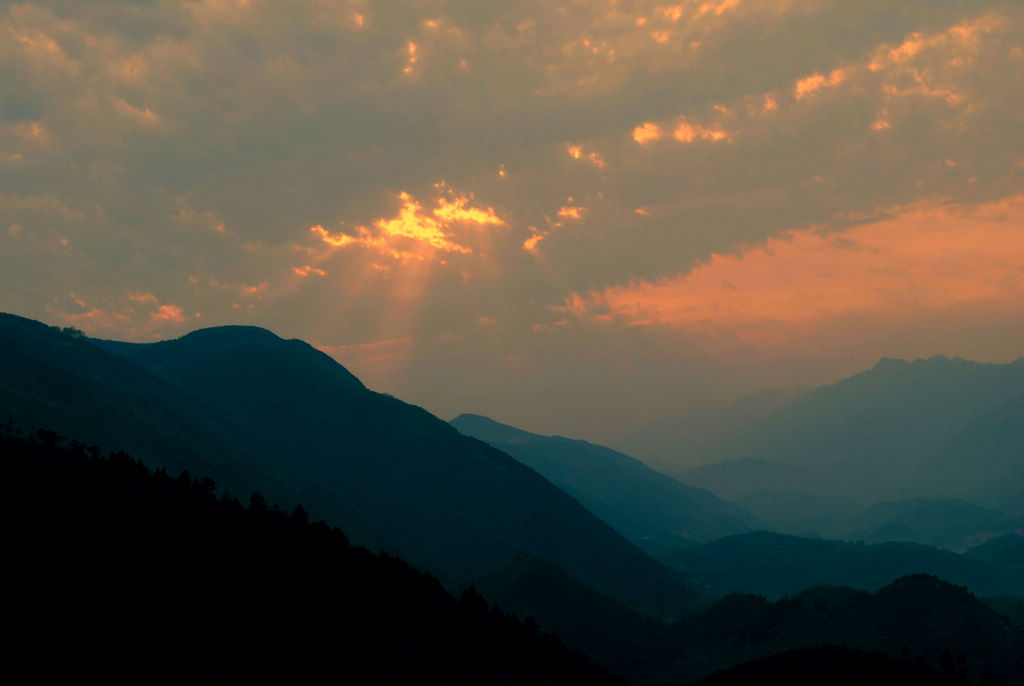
(649, 508)
(939, 428)
(880, 455)
(255, 411)
(916, 618)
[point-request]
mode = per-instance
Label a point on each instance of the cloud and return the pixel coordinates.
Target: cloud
(190, 149)
(911, 263)
(415, 234)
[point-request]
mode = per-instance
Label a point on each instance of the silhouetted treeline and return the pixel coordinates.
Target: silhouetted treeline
(122, 574)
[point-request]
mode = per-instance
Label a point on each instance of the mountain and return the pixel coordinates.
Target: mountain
(836, 666)
(127, 576)
(941, 522)
(801, 513)
(741, 478)
(679, 440)
(63, 382)
(651, 509)
(1005, 550)
(775, 565)
(937, 428)
(796, 500)
(255, 411)
(606, 631)
(918, 617)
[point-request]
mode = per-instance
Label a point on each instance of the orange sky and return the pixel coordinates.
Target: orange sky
(913, 263)
(572, 200)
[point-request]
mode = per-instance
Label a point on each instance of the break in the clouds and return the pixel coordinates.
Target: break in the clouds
(570, 215)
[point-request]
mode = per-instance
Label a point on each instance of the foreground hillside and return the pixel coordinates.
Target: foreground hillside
(650, 508)
(259, 412)
(130, 576)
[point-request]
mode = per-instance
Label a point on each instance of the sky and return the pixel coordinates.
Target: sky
(574, 217)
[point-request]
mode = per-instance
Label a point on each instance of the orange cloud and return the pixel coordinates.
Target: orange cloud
(414, 233)
(918, 261)
(143, 298)
(687, 133)
(457, 211)
(646, 133)
(308, 270)
(169, 313)
(717, 8)
(576, 152)
(530, 244)
(816, 82)
(413, 223)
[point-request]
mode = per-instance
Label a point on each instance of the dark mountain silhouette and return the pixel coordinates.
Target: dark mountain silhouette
(914, 617)
(126, 576)
(917, 617)
(1010, 607)
(651, 509)
(835, 666)
(256, 411)
(611, 634)
(775, 565)
(939, 428)
(63, 382)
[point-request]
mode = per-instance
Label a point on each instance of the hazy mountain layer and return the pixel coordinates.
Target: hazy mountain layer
(650, 508)
(936, 428)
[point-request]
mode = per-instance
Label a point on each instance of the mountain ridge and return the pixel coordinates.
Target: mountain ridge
(282, 417)
(650, 508)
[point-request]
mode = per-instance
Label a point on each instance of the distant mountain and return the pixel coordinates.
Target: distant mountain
(650, 508)
(775, 565)
(256, 411)
(801, 513)
(1005, 550)
(938, 428)
(835, 666)
(918, 618)
(679, 441)
(915, 617)
(125, 576)
(796, 500)
(941, 522)
(741, 478)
